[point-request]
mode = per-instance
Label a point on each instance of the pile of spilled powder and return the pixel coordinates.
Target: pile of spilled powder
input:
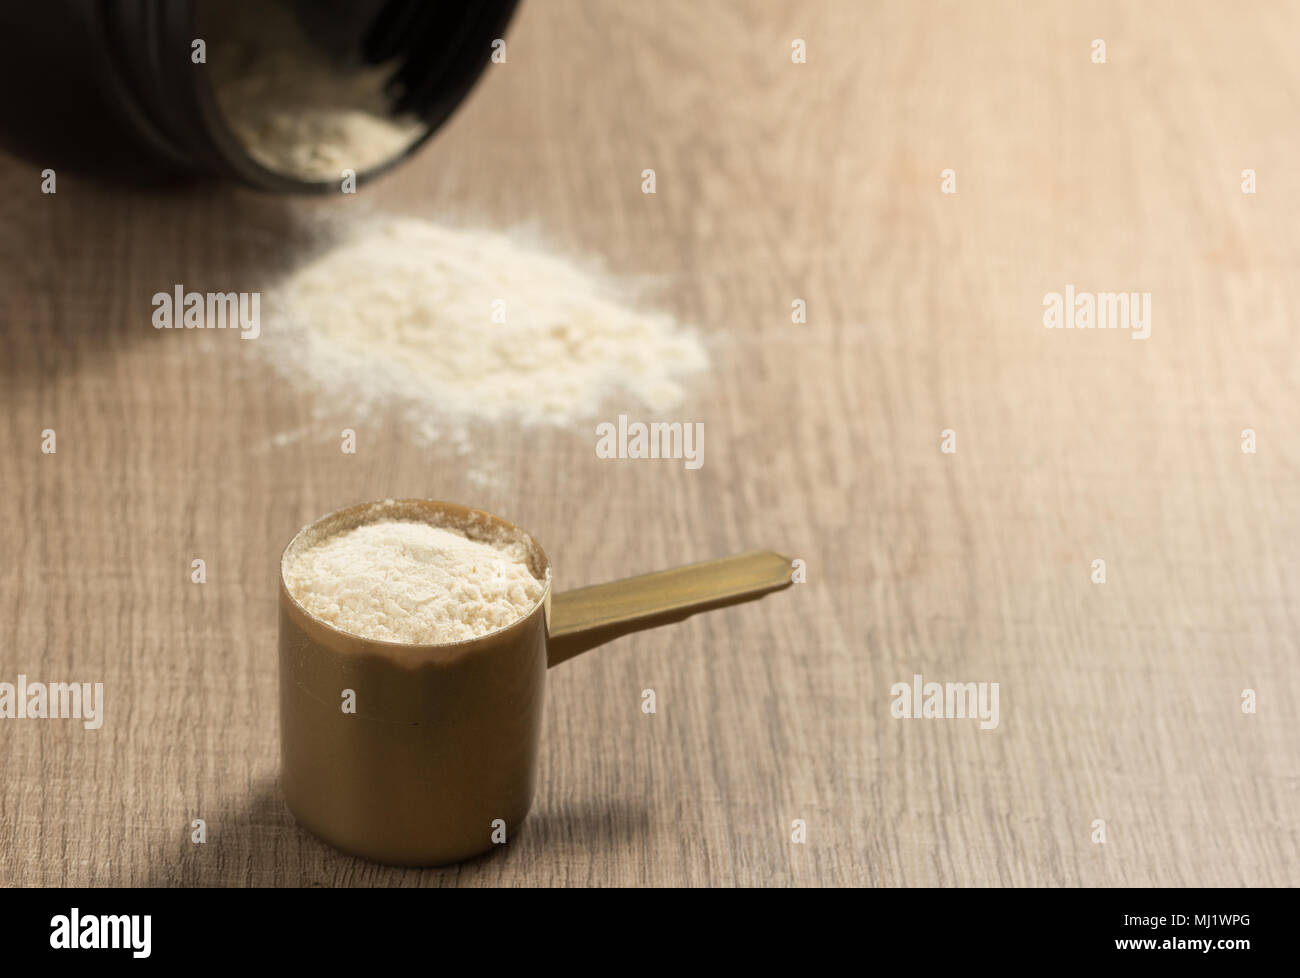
(411, 582)
(459, 327)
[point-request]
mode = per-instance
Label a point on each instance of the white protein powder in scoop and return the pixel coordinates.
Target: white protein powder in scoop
(412, 582)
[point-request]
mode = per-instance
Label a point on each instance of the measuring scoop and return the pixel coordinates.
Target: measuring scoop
(421, 755)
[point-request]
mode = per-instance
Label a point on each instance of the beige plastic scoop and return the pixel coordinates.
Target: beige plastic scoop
(435, 760)
(586, 617)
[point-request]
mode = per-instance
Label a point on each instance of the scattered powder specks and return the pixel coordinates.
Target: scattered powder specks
(459, 327)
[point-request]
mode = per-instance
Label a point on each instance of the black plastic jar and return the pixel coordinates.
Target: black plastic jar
(282, 95)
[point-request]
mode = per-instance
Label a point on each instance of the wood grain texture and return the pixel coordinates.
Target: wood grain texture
(775, 181)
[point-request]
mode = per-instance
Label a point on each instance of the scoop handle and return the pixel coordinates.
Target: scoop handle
(590, 616)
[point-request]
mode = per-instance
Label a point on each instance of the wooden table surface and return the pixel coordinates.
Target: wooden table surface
(1119, 701)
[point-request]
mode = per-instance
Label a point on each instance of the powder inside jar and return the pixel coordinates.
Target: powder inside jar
(294, 109)
(412, 582)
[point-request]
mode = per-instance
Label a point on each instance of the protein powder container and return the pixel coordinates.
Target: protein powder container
(282, 95)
